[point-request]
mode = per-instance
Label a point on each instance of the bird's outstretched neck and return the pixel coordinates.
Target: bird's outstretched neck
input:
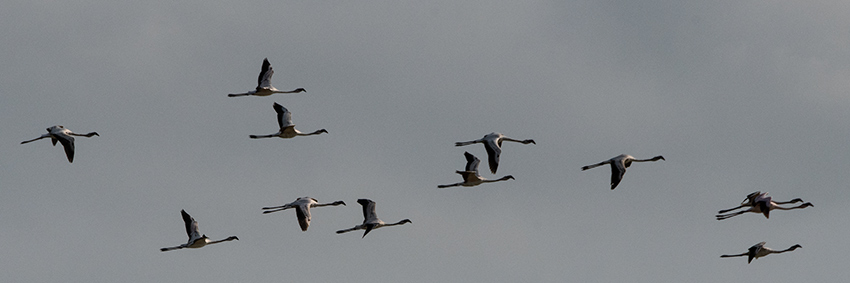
(231, 238)
(314, 133)
(86, 135)
(651, 159)
(328, 204)
(528, 141)
(297, 90)
(794, 247)
(505, 178)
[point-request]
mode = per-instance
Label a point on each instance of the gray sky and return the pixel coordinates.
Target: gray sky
(738, 96)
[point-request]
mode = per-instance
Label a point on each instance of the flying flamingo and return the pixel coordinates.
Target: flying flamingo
(470, 176)
(287, 129)
(370, 219)
(619, 165)
(302, 207)
(759, 202)
(759, 250)
(264, 83)
(196, 240)
(493, 144)
(64, 136)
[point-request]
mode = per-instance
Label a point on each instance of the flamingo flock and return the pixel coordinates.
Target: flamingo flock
(756, 202)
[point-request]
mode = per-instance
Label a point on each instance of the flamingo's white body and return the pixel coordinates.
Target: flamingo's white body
(493, 144)
(302, 207)
(471, 177)
(759, 250)
(619, 165)
(287, 129)
(759, 202)
(196, 239)
(63, 136)
(264, 83)
(370, 219)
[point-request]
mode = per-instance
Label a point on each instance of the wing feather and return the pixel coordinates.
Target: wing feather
(264, 80)
(284, 117)
(303, 213)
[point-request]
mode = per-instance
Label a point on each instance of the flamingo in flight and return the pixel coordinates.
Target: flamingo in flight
(196, 240)
(759, 250)
(302, 207)
(470, 175)
(493, 144)
(287, 129)
(619, 165)
(64, 136)
(370, 219)
(264, 83)
(759, 202)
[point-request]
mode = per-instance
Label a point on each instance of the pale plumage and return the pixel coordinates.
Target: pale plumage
(493, 144)
(264, 83)
(759, 202)
(470, 175)
(196, 239)
(619, 165)
(370, 219)
(759, 250)
(287, 129)
(63, 136)
(302, 207)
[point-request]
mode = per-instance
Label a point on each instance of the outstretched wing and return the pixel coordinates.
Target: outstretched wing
(617, 171)
(751, 197)
(302, 211)
(284, 117)
(471, 161)
(368, 209)
(754, 250)
(494, 150)
(68, 143)
(191, 225)
(265, 78)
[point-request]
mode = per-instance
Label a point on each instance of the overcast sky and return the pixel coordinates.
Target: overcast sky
(738, 96)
